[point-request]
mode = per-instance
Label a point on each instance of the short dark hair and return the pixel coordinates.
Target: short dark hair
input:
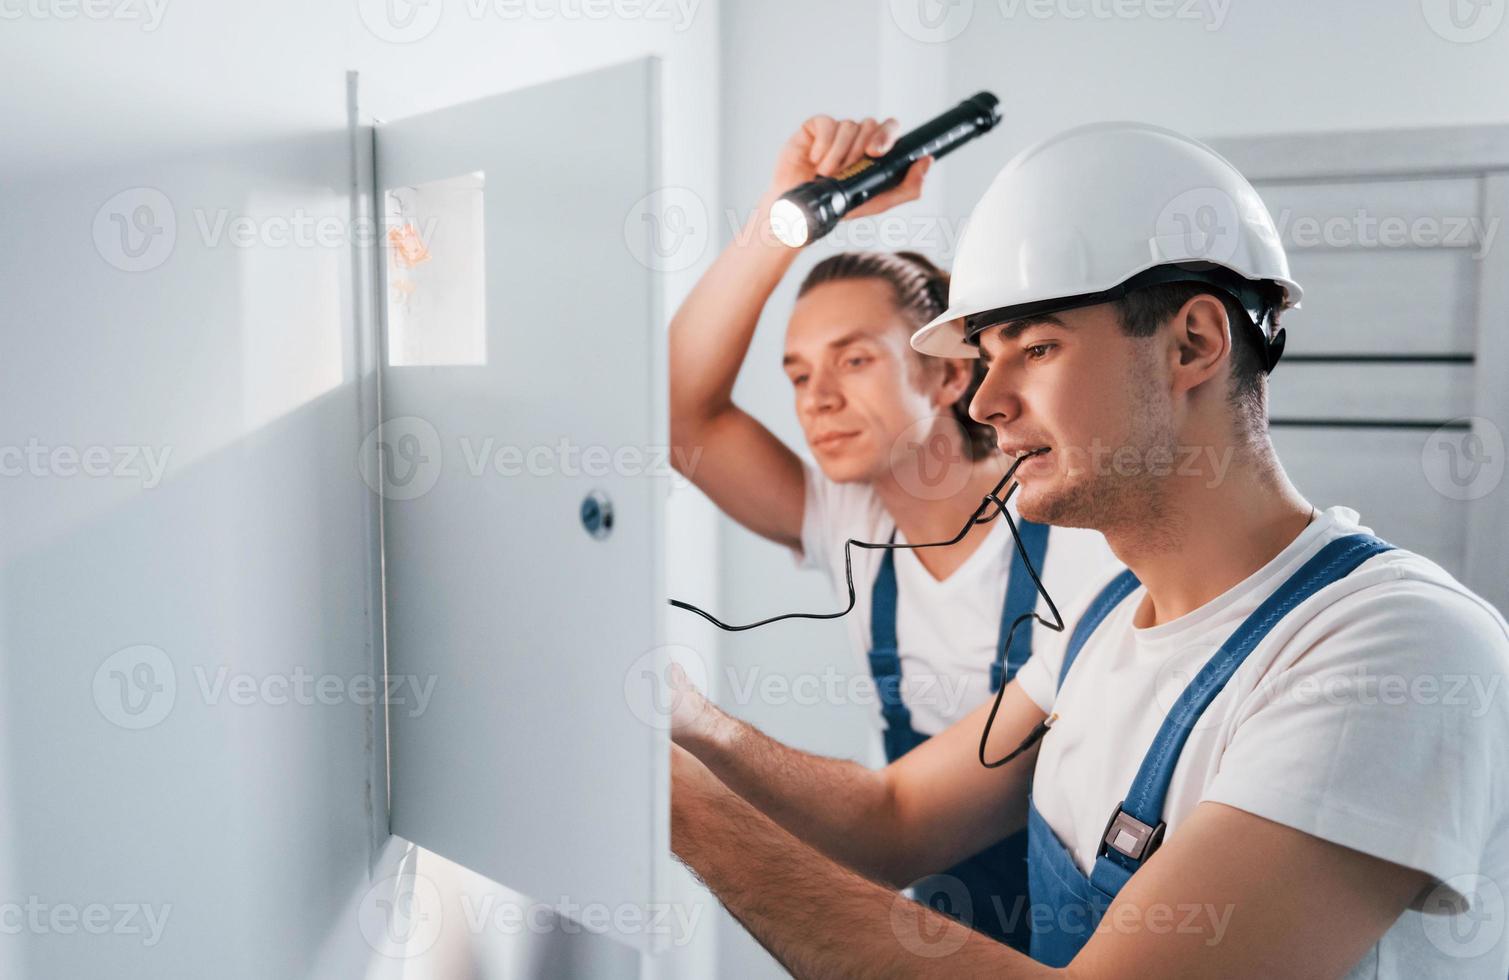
(1143, 311)
(920, 289)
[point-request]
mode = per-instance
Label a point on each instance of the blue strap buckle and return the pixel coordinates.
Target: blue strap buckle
(1130, 837)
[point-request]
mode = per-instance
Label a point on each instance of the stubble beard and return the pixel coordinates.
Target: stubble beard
(1094, 493)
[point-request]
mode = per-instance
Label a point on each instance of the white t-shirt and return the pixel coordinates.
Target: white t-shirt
(946, 632)
(1374, 715)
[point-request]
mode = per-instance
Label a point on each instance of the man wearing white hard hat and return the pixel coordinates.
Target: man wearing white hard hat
(1244, 762)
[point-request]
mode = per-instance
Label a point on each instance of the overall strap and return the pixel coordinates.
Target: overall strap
(1109, 598)
(885, 658)
(1136, 827)
(1021, 597)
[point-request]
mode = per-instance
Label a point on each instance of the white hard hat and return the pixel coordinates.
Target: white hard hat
(1092, 213)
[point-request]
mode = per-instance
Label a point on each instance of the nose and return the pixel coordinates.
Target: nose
(997, 401)
(823, 393)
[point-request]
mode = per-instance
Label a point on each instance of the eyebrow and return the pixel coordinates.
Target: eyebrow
(1012, 329)
(843, 341)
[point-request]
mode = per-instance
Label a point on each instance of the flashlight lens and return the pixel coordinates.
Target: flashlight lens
(788, 223)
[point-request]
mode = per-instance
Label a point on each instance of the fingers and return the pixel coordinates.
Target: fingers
(863, 141)
(830, 145)
(839, 149)
(835, 144)
(677, 677)
(820, 131)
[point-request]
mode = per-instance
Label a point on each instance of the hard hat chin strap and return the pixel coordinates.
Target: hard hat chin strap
(1248, 294)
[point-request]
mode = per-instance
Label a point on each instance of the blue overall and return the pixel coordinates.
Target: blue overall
(996, 878)
(1077, 901)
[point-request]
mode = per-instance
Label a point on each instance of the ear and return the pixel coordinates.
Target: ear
(1200, 342)
(957, 373)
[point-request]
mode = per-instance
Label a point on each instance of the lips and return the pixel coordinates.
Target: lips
(1027, 459)
(832, 438)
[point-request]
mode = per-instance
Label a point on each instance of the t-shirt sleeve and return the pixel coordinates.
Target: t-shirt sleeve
(812, 553)
(1388, 733)
(1036, 679)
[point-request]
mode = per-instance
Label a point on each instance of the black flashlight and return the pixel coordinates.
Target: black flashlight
(807, 213)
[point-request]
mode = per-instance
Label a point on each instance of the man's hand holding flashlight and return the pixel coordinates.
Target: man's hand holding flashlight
(825, 147)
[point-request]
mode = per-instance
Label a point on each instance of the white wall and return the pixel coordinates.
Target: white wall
(250, 822)
(1228, 69)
